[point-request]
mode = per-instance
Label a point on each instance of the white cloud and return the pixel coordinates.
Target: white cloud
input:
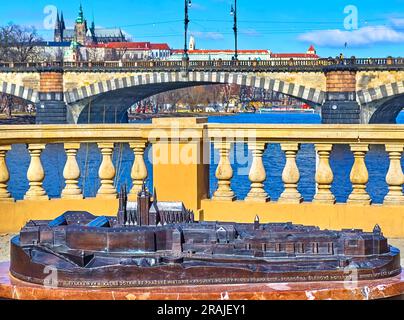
(398, 22)
(356, 38)
(207, 35)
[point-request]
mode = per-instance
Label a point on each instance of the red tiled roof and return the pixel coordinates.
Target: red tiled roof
(128, 45)
(294, 55)
(312, 48)
(222, 51)
(159, 46)
(132, 45)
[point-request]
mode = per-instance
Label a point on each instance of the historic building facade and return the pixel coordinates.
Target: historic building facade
(84, 34)
(212, 55)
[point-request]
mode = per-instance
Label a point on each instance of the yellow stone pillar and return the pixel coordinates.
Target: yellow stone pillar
(359, 175)
(4, 175)
(139, 170)
(290, 174)
(224, 173)
(181, 159)
(36, 174)
(106, 172)
(71, 173)
(324, 175)
(257, 174)
(395, 176)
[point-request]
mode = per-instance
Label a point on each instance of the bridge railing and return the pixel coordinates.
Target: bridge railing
(217, 64)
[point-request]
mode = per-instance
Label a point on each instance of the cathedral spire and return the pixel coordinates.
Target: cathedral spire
(57, 25)
(80, 18)
(123, 200)
(62, 21)
(58, 32)
(155, 195)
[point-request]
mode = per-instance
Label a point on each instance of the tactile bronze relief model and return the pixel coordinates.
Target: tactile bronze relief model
(152, 243)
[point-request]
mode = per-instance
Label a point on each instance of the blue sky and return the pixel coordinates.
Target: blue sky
(281, 26)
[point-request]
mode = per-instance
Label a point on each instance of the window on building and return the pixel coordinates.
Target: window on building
(331, 248)
(315, 247)
(299, 247)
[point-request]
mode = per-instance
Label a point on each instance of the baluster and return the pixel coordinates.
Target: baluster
(257, 174)
(36, 174)
(359, 175)
(4, 175)
(71, 173)
(106, 172)
(291, 175)
(224, 173)
(324, 175)
(139, 169)
(395, 176)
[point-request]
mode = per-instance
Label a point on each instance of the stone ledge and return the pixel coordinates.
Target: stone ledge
(11, 288)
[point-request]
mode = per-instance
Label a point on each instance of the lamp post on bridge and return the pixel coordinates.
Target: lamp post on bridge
(233, 12)
(188, 4)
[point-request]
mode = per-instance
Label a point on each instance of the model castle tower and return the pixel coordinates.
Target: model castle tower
(143, 207)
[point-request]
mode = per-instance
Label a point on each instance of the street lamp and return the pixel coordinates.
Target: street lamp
(233, 12)
(188, 4)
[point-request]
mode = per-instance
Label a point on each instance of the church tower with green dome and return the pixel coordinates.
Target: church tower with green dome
(80, 28)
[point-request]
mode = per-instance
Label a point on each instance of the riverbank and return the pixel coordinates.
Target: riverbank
(17, 119)
(148, 116)
(30, 119)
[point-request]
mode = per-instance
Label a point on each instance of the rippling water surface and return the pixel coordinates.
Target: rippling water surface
(89, 159)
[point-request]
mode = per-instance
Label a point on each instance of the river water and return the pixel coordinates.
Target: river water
(89, 159)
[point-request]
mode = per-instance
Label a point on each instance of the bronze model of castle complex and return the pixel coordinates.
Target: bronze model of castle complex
(153, 243)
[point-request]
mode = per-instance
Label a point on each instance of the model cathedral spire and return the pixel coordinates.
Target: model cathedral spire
(150, 212)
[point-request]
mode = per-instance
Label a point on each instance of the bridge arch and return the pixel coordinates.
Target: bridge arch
(382, 92)
(144, 85)
(382, 104)
(19, 91)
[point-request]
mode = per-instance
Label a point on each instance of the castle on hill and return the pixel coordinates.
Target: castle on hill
(84, 34)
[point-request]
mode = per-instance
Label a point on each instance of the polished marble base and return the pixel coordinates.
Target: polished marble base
(11, 288)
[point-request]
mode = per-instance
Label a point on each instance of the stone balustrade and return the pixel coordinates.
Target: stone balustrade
(181, 164)
(364, 63)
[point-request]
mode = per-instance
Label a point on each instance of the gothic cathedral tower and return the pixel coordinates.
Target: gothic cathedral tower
(80, 28)
(59, 28)
(143, 206)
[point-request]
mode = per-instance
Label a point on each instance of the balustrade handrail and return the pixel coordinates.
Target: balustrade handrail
(171, 131)
(336, 134)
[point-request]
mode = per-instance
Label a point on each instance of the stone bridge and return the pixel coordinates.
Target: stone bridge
(348, 91)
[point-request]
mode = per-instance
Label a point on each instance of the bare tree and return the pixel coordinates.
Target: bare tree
(93, 54)
(19, 44)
